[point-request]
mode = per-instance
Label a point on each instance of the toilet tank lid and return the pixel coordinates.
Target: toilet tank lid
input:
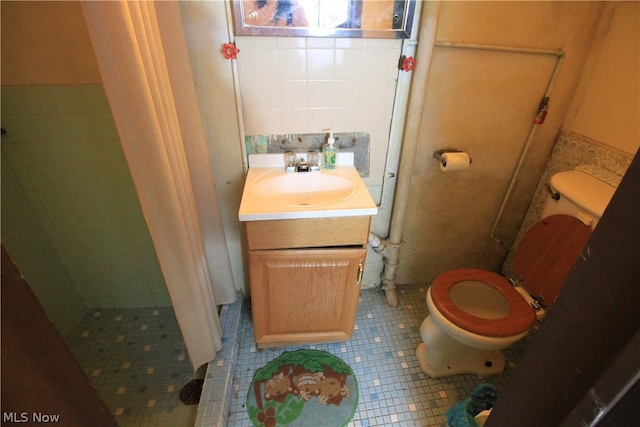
(583, 190)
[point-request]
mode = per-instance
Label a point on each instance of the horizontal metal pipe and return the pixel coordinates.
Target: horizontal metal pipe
(496, 48)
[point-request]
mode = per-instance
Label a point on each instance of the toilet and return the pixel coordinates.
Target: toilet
(473, 313)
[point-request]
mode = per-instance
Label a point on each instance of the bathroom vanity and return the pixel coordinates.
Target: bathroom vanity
(305, 278)
(306, 252)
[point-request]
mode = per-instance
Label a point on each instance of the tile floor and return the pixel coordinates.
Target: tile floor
(393, 389)
(137, 361)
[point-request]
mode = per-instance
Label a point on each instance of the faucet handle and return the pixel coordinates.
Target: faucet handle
(313, 159)
(290, 161)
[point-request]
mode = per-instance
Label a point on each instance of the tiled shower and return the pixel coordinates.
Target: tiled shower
(73, 225)
(71, 217)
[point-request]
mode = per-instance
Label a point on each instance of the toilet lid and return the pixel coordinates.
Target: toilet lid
(519, 319)
(547, 252)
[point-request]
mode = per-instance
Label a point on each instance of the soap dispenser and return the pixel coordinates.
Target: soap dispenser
(329, 152)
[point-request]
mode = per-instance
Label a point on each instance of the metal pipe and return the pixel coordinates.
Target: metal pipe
(424, 55)
(523, 154)
(235, 75)
(497, 48)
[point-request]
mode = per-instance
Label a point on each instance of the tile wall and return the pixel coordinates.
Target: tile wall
(26, 241)
(305, 85)
(68, 202)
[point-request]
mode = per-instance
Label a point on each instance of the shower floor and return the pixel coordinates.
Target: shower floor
(392, 388)
(137, 361)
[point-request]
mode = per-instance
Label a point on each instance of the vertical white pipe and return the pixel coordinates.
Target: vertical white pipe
(523, 153)
(424, 55)
(236, 88)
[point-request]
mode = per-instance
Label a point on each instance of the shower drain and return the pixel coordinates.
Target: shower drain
(190, 393)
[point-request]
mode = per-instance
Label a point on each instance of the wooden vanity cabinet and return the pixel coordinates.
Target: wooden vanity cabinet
(305, 278)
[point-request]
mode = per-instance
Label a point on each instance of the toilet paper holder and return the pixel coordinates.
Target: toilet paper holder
(438, 155)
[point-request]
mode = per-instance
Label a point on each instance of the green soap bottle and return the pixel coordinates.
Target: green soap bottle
(329, 153)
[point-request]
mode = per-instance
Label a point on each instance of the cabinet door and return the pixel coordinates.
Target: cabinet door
(304, 296)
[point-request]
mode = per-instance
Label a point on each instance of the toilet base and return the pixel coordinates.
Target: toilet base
(486, 364)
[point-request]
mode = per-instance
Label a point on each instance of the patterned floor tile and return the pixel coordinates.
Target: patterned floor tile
(393, 388)
(137, 361)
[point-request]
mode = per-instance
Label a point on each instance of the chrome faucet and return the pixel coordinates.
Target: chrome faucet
(306, 162)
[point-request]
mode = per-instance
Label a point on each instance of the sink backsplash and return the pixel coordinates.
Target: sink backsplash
(354, 142)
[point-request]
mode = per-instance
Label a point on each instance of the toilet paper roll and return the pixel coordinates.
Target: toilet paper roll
(454, 162)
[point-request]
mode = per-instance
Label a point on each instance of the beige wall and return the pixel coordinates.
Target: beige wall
(485, 103)
(46, 43)
(606, 107)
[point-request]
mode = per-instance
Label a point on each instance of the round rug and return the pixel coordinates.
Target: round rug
(303, 388)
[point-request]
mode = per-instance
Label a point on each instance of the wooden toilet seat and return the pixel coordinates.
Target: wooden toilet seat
(544, 258)
(519, 319)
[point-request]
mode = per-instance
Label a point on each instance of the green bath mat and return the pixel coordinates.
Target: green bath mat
(303, 388)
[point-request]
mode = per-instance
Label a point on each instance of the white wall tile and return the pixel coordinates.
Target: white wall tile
(378, 141)
(388, 44)
(376, 93)
(380, 63)
(374, 119)
(345, 119)
(319, 119)
(320, 64)
(348, 64)
(258, 64)
(293, 93)
(323, 43)
(260, 93)
(320, 94)
(262, 121)
(295, 120)
(347, 93)
(306, 85)
(292, 64)
(291, 42)
(376, 168)
(258, 42)
(350, 43)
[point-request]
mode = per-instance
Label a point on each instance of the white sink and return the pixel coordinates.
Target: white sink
(303, 188)
(271, 193)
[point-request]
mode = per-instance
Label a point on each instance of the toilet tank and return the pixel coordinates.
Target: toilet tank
(581, 195)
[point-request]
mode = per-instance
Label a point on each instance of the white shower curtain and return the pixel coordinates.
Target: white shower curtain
(142, 55)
